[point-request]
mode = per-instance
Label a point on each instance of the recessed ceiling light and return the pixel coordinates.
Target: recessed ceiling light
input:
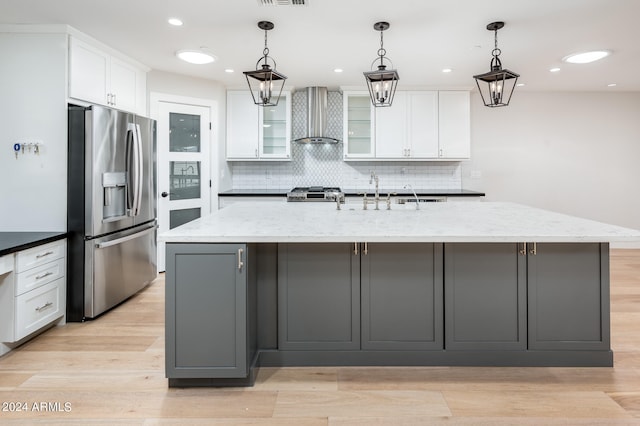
(520, 84)
(446, 70)
(175, 22)
(228, 70)
(612, 85)
(586, 57)
(195, 57)
(338, 70)
(554, 70)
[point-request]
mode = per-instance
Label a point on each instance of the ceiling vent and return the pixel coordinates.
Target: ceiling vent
(283, 2)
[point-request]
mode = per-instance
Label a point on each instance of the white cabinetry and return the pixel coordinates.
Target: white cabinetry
(258, 133)
(409, 128)
(358, 125)
(454, 125)
(96, 76)
(34, 294)
(419, 126)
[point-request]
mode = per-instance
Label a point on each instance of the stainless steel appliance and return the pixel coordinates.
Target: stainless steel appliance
(111, 208)
(317, 117)
(315, 193)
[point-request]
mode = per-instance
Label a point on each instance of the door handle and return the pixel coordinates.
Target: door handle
(165, 194)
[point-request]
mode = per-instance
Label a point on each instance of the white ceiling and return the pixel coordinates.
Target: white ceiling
(310, 41)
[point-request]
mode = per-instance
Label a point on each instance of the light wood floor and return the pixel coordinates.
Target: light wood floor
(111, 371)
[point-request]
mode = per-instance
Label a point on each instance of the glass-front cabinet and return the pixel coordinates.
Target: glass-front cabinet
(358, 125)
(258, 133)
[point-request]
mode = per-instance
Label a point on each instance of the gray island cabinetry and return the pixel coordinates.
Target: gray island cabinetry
(449, 284)
(210, 314)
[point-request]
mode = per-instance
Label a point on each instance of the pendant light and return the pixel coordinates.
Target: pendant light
(382, 83)
(265, 83)
(498, 84)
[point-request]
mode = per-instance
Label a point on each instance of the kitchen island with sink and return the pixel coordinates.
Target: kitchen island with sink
(298, 284)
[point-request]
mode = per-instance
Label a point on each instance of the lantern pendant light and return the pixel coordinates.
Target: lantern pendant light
(498, 84)
(382, 83)
(265, 83)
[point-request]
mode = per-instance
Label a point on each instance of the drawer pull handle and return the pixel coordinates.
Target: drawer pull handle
(45, 306)
(43, 254)
(39, 277)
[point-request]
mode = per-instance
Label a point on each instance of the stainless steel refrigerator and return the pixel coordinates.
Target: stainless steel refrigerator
(111, 208)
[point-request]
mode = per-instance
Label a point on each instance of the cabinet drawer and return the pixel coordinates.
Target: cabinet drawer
(35, 277)
(38, 307)
(40, 255)
(6, 264)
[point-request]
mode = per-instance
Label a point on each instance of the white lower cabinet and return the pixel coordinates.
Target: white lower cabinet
(32, 290)
(39, 307)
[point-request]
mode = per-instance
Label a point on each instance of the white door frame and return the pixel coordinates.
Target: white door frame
(155, 99)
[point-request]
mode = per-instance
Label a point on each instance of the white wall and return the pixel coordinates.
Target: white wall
(574, 153)
(33, 188)
(180, 85)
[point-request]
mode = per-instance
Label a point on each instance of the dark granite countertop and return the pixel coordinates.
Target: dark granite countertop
(351, 192)
(11, 242)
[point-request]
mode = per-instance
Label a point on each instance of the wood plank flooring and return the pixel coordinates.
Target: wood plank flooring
(111, 371)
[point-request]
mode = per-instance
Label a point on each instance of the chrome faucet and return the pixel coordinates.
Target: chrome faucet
(337, 197)
(373, 178)
(408, 186)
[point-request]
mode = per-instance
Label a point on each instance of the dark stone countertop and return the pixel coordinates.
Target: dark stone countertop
(11, 242)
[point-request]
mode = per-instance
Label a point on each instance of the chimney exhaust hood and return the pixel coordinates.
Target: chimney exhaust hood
(316, 117)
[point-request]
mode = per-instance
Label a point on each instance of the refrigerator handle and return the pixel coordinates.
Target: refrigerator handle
(130, 171)
(134, 167)
(127, 238)
(139, 161)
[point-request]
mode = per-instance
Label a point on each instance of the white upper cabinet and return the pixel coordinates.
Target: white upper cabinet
(419, 126)
(409, 128)
(454, 125)
(257, 133)
(358, 125)
(95, 76)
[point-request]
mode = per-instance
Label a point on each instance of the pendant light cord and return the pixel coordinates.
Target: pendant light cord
(496, 52)
(381, 51)
(265, 51)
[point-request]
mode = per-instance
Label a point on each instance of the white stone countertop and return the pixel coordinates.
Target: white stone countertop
(279, 222)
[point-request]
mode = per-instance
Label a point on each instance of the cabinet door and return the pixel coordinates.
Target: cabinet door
(569, 297)
(275, 129)
(454, 125)
(243, 134)
(358, 125)
(391, 129)
(124, 85)
(423, 124)
(485, 296)
(206, 310)
(88, 72)
(318, 297)
(402, 297)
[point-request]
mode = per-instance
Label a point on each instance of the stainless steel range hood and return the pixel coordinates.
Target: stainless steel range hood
(316, 117)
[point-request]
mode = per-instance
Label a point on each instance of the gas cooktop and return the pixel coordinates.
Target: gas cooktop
(315, 193)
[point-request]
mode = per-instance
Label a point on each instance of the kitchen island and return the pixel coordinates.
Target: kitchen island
(286, 284)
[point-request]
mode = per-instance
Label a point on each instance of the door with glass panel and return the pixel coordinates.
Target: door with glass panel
(183, 166)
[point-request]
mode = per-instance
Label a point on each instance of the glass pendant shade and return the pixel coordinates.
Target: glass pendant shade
(265, 83)
(381, 83)
(497, 85)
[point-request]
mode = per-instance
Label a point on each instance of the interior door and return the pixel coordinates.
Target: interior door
(184, 165)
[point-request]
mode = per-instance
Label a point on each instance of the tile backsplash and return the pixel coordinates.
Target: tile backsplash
(321, 164)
